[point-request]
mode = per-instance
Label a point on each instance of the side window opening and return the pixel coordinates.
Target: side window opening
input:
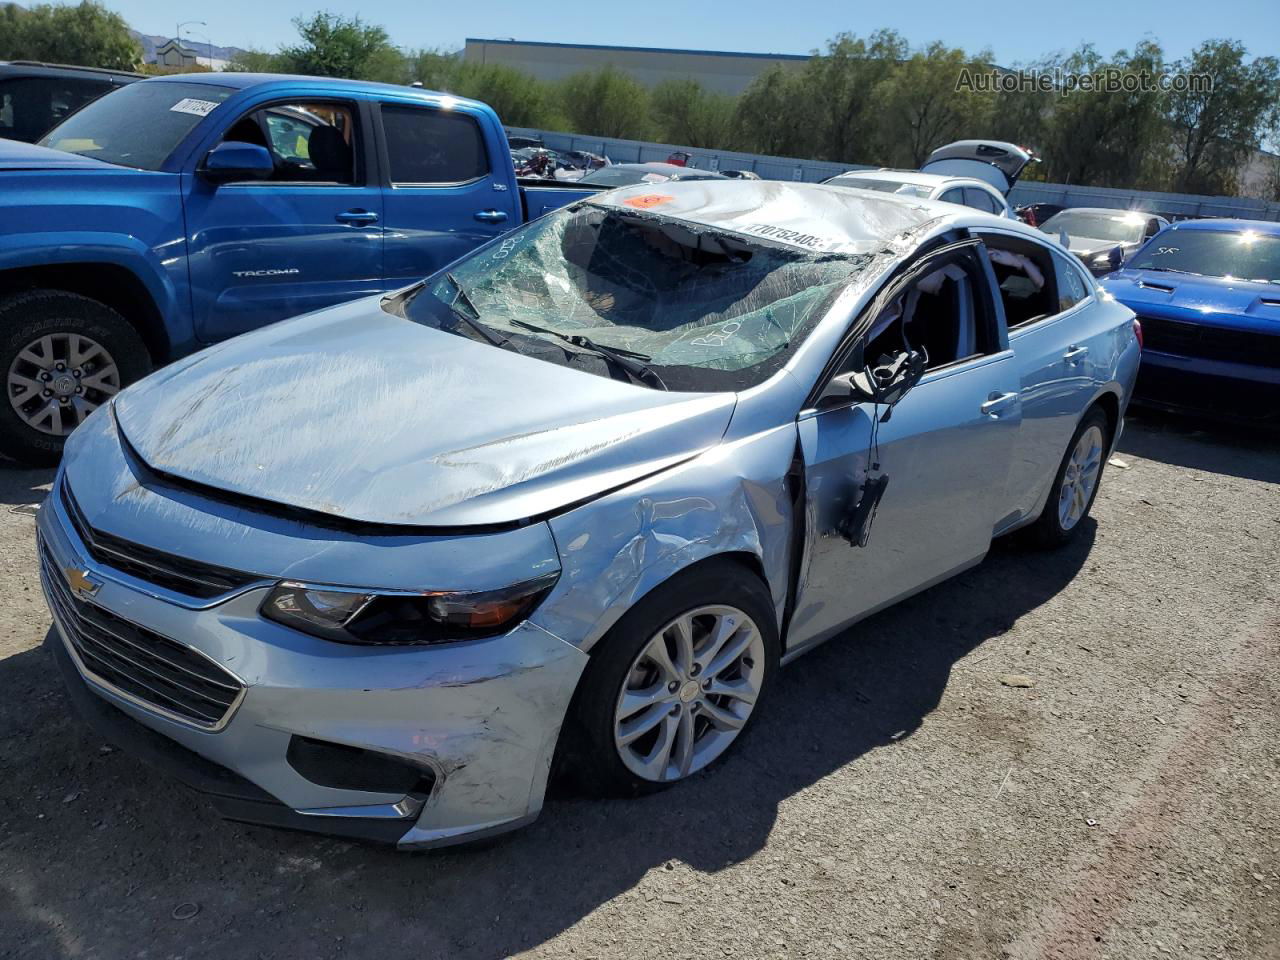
(941, 313)
(1026, 276)
(308, 142)
(428, 146)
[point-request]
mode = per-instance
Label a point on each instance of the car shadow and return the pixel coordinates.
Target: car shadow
(23, 486)
(865, 691)
(1214, 446)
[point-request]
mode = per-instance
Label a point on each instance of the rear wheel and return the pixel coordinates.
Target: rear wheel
(63, 356)
(675, 683)
(1076, 484)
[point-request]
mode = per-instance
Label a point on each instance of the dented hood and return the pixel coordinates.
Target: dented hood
(366, 416)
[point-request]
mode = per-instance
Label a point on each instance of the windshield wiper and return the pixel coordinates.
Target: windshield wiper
(472, 320)
(628, 361)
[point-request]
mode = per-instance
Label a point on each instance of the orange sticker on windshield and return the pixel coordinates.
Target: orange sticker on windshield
(647, 200)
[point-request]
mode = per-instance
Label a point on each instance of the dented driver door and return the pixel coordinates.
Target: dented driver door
(945, 452)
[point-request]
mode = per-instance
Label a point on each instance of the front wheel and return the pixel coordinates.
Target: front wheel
(63, 356)
(675, 683)
(1076, 484)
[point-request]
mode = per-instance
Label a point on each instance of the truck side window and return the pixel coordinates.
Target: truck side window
(430, 146)
(309, 142)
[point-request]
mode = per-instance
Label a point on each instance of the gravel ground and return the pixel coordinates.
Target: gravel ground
(897, 800)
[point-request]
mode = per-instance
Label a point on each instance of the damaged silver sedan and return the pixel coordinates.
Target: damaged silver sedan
(570, 504)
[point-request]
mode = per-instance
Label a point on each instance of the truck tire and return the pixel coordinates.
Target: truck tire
(62, 356)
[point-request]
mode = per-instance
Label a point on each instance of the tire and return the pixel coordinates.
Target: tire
(97, 346)
(718, 591)
(1052, 529)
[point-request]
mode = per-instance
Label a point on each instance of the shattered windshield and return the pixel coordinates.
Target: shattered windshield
(706, 309)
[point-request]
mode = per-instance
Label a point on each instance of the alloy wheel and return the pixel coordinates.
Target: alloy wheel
(1080, 478)
(59, 379)
(689, 693)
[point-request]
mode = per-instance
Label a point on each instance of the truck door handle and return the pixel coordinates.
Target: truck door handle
(997, 402)
(491, 216)
(1075, 354)
(357, 217)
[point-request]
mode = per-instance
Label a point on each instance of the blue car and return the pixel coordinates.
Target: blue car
(1207, 293)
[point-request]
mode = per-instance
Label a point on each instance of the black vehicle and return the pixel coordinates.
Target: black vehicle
(524, 143)
(34, 97)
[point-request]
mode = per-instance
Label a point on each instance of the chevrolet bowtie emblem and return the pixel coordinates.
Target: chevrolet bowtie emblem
(81, 583)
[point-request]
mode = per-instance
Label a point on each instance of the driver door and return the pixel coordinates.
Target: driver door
(308, 237)
(945, 450)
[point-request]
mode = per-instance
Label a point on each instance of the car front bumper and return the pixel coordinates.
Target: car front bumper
(1217, 388)
(478, 719)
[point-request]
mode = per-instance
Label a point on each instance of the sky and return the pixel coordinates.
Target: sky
(762, 26)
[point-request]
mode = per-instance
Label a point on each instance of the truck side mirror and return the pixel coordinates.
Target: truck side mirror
(233, 160)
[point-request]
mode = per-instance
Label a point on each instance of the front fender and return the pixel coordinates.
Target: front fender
(614, 550)
(71, 247)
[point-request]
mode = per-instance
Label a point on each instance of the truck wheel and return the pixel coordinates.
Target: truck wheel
(63, 356)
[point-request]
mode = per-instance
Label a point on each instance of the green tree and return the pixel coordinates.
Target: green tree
(920, 107)
(606, 103)
(688, 114)
(518, 98)
(1111, 137)
(1216, 129)
(337, 46)
(773, 117)
(840, 87)
(256, 61)
(86, 34)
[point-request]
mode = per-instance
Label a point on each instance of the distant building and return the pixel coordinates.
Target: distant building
(172, 53)
(716, 70)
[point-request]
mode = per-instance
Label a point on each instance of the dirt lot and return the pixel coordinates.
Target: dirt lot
(898, 800)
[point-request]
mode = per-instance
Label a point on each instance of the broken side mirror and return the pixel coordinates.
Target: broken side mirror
(847, 388)
(894, 376)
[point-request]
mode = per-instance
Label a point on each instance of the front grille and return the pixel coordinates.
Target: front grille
(179, 574)
(1210, 343)
(164, 674)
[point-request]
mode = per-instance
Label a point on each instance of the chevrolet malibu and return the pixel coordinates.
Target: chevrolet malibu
(570, 503)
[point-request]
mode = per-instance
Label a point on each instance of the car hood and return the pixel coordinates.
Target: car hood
(359, 414)
(16, 155)
(1214, 300)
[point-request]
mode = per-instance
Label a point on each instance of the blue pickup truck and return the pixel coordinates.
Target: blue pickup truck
(179, 211)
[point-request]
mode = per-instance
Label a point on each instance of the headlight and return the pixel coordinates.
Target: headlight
(353, 616)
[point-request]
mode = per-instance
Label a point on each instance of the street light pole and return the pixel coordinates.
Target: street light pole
(178, 37)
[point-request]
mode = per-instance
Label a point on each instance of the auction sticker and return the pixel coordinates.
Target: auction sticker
(647, 200)
(199, 108)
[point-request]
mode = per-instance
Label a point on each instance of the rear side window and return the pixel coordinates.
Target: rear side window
(980, 200)
(1071, 286)
(426, 145)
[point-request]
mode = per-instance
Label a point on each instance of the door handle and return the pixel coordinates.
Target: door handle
(1075, 354)
(357, 217)
(997, 402)
(491, 216)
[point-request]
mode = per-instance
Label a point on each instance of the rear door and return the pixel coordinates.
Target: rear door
(448, 188)
(1051, 341)
(945, 451)
(308, 237)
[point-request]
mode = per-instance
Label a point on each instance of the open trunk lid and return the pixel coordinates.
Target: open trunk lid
(998, 163)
